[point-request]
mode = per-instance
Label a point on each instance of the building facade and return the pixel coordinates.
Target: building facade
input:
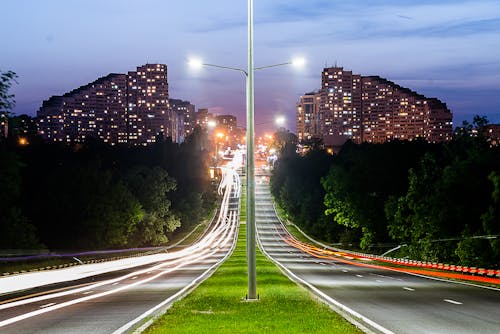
(96, 110)
(340, 106)
(227, 124)
(371, 109)
(390, 111)
(128, 108)
(185, 113)
(308, 117)
(203, 118)
(148, 108)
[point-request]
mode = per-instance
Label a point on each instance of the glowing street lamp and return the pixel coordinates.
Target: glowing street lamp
(211, 124)
(280, 120)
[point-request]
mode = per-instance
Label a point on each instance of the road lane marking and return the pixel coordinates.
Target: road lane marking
(379, 281)
(87, 292)
(408, 289)
(345, 271)
(384, 276)
(451, 301)
(354, 317)
(359, 276)
(192, 258)
(134, 277)
(180, 293)
(47, 305)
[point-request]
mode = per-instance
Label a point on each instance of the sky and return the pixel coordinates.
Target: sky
(439, 48)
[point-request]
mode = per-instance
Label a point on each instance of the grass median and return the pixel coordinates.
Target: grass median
(218, 306)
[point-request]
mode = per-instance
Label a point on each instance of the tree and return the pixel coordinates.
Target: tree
(151, 187)
(491, 218)
(442, 215)
(411, 218)
(284, 139)
(296, 186)
(7, 101)
(15, 229)
(473, 129)
(193, 198)
(362, 178)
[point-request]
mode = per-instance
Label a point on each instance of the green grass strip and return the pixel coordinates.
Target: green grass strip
(218, 306)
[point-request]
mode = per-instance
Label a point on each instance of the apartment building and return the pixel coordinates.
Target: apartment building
(119, 108)
(369, 109)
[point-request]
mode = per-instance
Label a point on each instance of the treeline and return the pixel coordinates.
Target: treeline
(95, 196)
(440, 201)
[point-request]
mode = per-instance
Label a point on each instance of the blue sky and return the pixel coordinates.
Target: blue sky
(444, 49)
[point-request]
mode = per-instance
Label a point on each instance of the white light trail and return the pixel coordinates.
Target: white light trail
(221, 236)
(452, 301)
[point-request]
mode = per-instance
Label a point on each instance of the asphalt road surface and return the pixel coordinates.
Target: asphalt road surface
(116, 297)
(382, 300)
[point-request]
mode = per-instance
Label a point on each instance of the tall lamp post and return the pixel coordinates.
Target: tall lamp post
(250, 163)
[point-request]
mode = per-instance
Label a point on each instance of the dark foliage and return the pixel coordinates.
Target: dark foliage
(94, 196)
(440, 200)
(296, 186)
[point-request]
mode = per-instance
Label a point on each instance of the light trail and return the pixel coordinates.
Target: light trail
(222, 235)
(348, 259)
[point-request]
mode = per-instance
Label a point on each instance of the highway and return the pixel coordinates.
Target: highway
(378, 300)
(117, 296)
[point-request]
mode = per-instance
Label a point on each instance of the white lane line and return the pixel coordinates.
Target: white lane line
(408, 289)
(384, 276)
(345, 271)
(194, 283)
(452, 301)
(47, 305)
(323, 264)
(116, 283)
(379, 281)
(359, 276)
(355, 317)
(225, 237)
(87, 292)
(134, 277)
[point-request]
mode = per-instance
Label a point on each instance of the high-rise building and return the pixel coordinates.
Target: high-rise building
(203, 117)
(372, 109)
(394, 112)
(229, 127)
(226, 121)
(185, 112)
(340, 106)
(308, 116)
(96, 110)
(128, 108)
(148, 108)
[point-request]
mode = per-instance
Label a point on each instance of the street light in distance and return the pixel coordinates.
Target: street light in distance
(280, 120)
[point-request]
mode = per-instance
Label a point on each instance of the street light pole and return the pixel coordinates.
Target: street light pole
(250, 163)
(250, 170)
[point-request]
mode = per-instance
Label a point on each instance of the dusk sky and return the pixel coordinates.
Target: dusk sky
(444, 49)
